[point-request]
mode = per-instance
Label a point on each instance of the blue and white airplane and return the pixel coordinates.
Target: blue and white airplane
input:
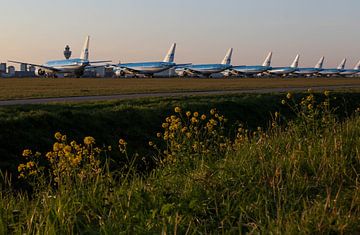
(70, 66)
(311, 71)
(250, 70)
(206, 69)
(147, 68)
(283, 71)
(348, 72)
(334, 71)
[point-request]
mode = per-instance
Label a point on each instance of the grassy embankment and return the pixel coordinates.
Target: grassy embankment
(40, 87)
(298, 176)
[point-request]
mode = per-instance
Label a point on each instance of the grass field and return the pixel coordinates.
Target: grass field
(298, 175)
(41, 88)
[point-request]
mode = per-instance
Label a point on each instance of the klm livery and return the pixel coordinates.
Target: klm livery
(311, 71)
(283, 71)
(334, 71)
(147, 68)
(250, 70)
(71, 66)
(206, 69)
(346, 72)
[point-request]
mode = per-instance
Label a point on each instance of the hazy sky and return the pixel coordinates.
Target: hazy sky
(143, 30)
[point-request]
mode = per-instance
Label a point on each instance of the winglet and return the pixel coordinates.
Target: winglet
(227, 58)
(342, 64)
(85, 52)
(267, 61)
(170, 56)
(319, 65)
(295, 64)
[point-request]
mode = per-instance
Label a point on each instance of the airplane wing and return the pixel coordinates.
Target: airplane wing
(98, 66)
(182, 65)
(125, 68)
(35, 65)
(100, 61)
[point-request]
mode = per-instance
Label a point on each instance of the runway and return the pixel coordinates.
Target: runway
(169, 94)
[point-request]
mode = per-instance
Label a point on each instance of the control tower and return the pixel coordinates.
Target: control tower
(67, 52)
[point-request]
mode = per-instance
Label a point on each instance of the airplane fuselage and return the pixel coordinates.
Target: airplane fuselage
(347, 72)
(144, 67)
(67, 66)
(204, 69)
(329, 72)
(282, 70)
(250, 69)
(307, 71)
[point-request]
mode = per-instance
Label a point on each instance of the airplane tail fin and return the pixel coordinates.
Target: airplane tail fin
(342, 64)
(267, 61)
(357, 66)
(85, 52)
(227, 58)
(319, 65)
(170, 56)
(295, 64)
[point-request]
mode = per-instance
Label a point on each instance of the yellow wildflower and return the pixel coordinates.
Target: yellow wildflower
(326, 93)
(58, 136)
(289, 95)
(122, 142)
(177, 109)
(21, 167)
(283, 102)
(196, 114)
(165, 125)
(158, 135)
(151, 143)
(89, 140)
(188, 113)
(194, 120)
(310, 106)
(67, 149)
(203, 117)
(63, 138)
(56, 147)
(213, 122)
(27, 153)
(212, 111)
(30, 164)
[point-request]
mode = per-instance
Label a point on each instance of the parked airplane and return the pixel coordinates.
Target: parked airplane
(334, 71)
(206, 69)
(147, 68)
(311, 71)
(250, 70)
(347, 72)
(283, 71)
(70, 66)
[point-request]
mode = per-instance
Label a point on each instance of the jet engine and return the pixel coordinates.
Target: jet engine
(120, 73)
(181, 72)
(227, 73)
(39, 72)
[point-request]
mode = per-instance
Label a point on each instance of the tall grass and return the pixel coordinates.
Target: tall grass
(301, 176)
